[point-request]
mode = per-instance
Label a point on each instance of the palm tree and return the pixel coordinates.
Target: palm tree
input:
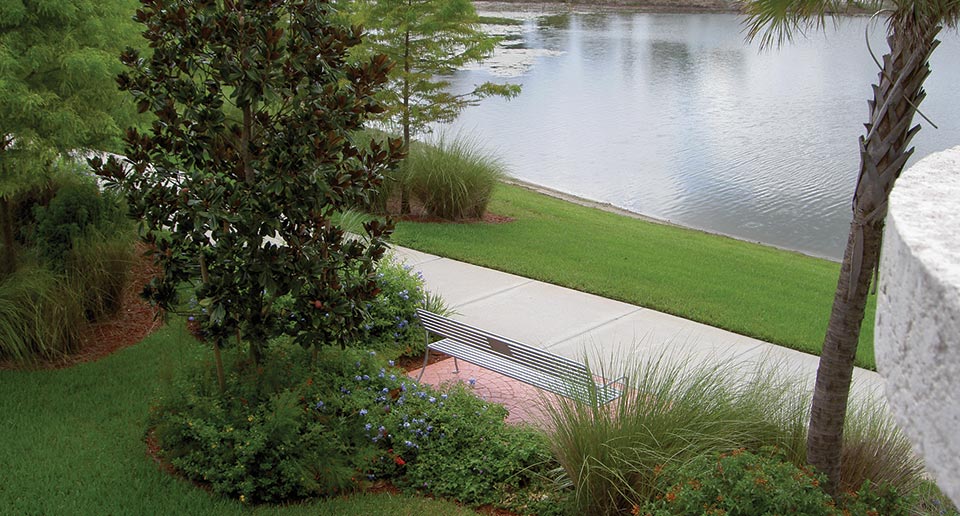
(912, 27)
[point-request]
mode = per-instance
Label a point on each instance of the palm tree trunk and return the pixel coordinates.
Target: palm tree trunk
(883, 152)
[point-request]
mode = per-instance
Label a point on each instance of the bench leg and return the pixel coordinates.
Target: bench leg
(456, 366)
(426, 356)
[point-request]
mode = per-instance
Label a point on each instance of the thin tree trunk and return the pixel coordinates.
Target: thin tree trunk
(404, 191)
(221, 381)
(883, 152)
(8, 262)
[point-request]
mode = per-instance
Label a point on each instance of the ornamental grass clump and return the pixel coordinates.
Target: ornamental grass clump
(75, 249)
(452, 180)
(674, 412)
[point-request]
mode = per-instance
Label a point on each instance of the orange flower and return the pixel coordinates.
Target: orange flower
(635, 510)
(671, 496)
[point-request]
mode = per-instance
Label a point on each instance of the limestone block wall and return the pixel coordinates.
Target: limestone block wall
(918, 312)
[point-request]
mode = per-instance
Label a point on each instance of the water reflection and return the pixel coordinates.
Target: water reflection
(675, 117)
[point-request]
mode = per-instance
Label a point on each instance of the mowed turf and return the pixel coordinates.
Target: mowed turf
(774, 295)
(73, 444)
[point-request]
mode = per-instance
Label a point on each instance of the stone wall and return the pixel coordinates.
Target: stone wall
(918, 312)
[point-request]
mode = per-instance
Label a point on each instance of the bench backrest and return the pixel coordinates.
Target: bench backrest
(520, 353)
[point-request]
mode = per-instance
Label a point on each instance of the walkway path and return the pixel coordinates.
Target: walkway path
(577, 325)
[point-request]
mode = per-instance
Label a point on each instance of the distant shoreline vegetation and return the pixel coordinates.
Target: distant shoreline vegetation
(651, 6)
(663, 6)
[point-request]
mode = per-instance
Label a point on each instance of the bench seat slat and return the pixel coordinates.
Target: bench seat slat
(525, 363)
(572, 387)
(534, 357)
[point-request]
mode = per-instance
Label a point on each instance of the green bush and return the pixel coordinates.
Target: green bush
(294, 428)
(452, 180)
(739, 483)
(78, 210)
(390, 319)
(73, 269)
(742, 483)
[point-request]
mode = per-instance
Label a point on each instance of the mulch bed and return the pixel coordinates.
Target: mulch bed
(419, 214)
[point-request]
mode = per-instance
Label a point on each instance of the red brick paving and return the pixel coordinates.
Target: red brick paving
(523, 401)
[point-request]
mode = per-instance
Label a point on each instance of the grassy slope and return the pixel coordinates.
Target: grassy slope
(73, 444)
(773, 295)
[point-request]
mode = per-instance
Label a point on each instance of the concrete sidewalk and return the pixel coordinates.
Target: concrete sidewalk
(577, 325)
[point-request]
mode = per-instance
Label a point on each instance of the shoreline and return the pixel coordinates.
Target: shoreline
(642, 6)
(649, 6)
(611, 208)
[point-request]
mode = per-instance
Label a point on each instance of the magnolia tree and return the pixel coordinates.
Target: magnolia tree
(239, 181)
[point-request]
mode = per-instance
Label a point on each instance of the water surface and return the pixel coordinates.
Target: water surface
(674, 116)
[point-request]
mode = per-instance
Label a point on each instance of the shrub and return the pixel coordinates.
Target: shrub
(78, 210)
(742, 483)
(390, 318)
(739, 483)
(452, 180)
(293, 428)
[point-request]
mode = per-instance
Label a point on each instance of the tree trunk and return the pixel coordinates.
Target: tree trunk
(404, 190)
(824, 439)
(883, 152)
(8, 261)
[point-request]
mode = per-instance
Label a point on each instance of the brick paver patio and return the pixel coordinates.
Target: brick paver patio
(523, 401)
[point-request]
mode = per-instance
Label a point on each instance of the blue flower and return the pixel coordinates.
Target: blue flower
(390, 362)
(358, 378)
(472, 381)
(406, 424)
(319, 405)
(404, 295)
(432, 399)
(366, 377)
(363, 412)
(393, 377)
(368, 426)
(443, 396)
(409, 444)
(190, 318)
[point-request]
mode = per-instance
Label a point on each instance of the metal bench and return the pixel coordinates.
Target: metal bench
(528, 364)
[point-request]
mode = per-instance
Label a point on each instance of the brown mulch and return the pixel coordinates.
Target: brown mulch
(132, 323)
(419, 214)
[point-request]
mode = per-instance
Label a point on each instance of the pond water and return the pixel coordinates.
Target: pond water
(676, 117)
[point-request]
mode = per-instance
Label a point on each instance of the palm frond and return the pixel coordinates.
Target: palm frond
(777, 22)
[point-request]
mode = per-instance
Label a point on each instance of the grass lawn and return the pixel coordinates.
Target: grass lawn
(774, 295)
(73, 444)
